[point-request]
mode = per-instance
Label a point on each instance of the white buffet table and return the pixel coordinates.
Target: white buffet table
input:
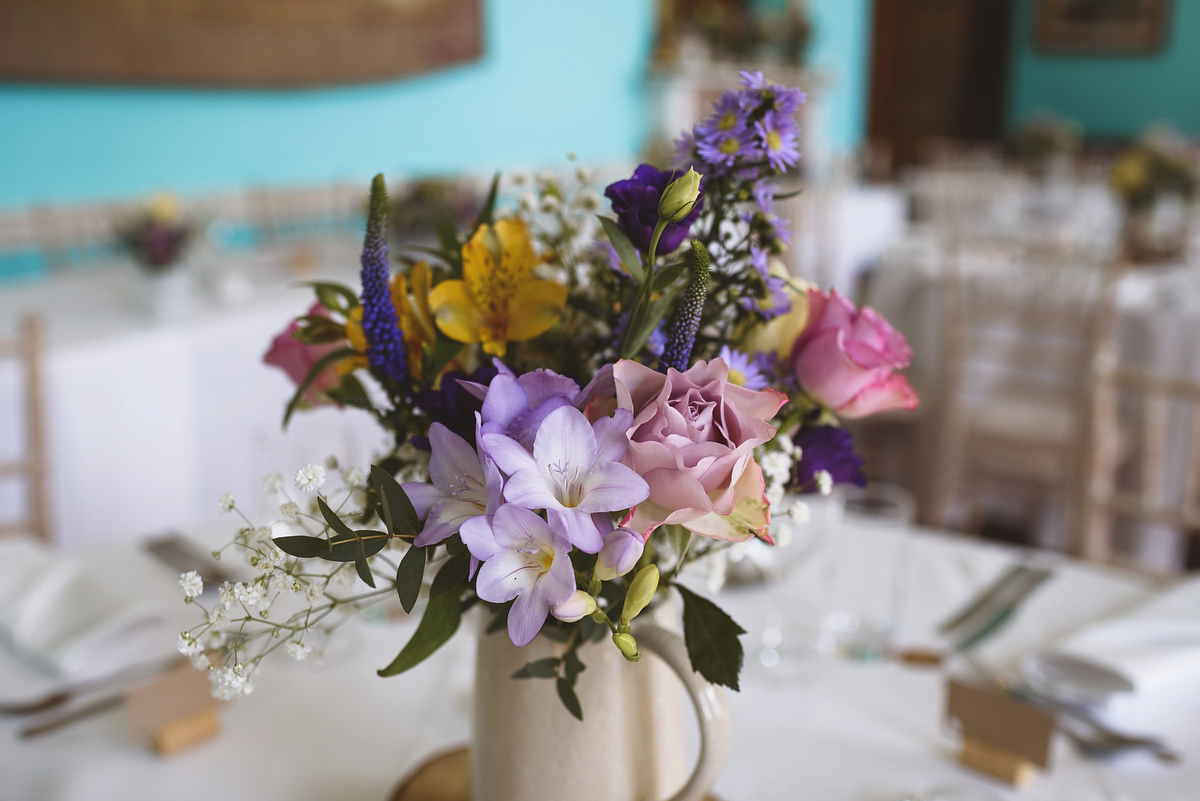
(838, 732)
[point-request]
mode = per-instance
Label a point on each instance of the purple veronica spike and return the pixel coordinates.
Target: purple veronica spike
(524, 562)
(385, 341)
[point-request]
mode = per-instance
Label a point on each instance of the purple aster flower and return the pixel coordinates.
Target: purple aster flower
(524, 561)
(385, 341)
(758, 258)
(764, 196)
(779, 98)
(778, 136)
(729, 115)
(685, 152)
(753, 80)
(773, 304)
(831, 449)
(464, 486)
(573, 473)
(635, 202)
(743, 370)
(723, 148)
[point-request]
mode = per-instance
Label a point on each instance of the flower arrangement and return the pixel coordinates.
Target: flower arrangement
(1158, 165)
(156, 235)
(579, 406)
(1046, 137)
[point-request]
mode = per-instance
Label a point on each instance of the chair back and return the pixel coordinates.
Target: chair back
(29, 467)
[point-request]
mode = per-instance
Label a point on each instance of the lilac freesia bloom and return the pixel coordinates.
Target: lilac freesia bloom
(573, 472)
(465, 485)
(523, 560)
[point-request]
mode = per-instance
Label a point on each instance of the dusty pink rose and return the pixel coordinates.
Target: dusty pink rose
(847, 358)
(296, 358)
(692, 440)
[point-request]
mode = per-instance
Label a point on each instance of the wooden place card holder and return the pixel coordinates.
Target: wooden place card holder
(1002, 736)
(173, 712)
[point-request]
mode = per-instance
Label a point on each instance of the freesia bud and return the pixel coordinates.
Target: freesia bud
(577, 607)
(641, 592)
(679, 197)
(628, 646)
(622, 549)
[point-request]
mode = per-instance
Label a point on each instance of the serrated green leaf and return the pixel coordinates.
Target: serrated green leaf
(318, 367)
(566, 694)
(541, 669)
(712, 639)
(453, 573)
(625, 250)
(399, 516)
(437, 625)
(409, 576)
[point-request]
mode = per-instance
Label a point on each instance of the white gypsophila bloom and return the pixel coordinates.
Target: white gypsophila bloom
(800, 514)
(188, 645)
(583, 175)
(230, 682)
(547, 177)
(824, 481)
(200, 661)
(289, 510)
(589, 200)
(785, 442)
(313, 592)
(774, 494)
(519, 177)
(550, 204)
(776, 466)
(250, 596)
(218, 614)
(354, 477)
(270, 559)
(225, 503)
(272, 482)
(282, 582)
(226, 596)
(310, 478)
(191, 584)
(527, 201)
(214, 639)
(297, 650)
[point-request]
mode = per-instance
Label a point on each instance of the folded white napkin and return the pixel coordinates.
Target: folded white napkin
(1154, 645)
(67, 623)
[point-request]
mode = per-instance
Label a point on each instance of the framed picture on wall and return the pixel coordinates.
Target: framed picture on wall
(1101, 26)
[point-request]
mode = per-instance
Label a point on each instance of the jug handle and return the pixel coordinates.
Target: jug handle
(712, 709)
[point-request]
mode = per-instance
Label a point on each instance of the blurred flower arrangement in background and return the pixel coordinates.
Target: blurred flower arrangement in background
(157, 234)
(1045, 140)
(1156, 180)
(578, 405)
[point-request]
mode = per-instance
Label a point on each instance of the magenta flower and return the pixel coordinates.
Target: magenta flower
(464, 486)
(573, 472)
(524, 562)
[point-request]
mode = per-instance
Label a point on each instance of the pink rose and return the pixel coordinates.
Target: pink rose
(692, 440)
(846, 358)
(296, 358)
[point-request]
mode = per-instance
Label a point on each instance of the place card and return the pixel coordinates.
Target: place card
(173, 712)
(1002, 736)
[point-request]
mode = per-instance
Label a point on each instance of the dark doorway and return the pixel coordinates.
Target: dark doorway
(939, 70)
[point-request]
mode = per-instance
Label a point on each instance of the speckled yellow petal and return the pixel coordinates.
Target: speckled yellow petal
(455, 311)
(516, 246)
(354, 332)
(422, 279)
(535, 308)
(479, 256)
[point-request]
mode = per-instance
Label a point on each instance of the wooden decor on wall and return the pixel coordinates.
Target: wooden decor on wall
(234, 43)
(1101, 26)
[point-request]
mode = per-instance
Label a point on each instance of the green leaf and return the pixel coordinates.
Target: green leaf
(566, 694)
(325, 361)
(409, 576)
(448, 242)
(398, 514)
(712, 639)
(317, 330)
(341, 548)
(488, 212)
(438, 625)
(625, 250)
(668, 275)
(541, 669)
(437, 356)
(573, 665)
(363, 569)
(437, 253)
(643, 325)
(334, 297)
(453, 573)
(303, 547)
(350, 392)
(336, 523)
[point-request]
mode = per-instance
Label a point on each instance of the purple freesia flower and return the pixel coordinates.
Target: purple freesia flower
(831, 449)
(635, 202)
(464, 486)
(573, 472)
(525, 562)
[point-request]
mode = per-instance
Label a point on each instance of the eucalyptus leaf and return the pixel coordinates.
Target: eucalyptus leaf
(453, 573)
(363, 569)
(334, 297)
(437, 625)
(572, 665)
(399, 516)
(541, 669)
(566, 694)
(712, 639)
(318, 367)
(409, 576)
(349, 547)
(303, 546)
(625, 250)
(335, 522)
(350, 392)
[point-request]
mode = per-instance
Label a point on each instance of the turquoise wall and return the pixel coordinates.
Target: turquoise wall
(841, 47)
(1111, 95)
(555, 77)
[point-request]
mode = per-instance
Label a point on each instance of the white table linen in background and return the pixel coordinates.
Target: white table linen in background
(839, 732)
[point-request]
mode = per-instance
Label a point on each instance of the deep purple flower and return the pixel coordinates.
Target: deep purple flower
(827, 448)
(454, 406)
(385, 341)
(635, 202)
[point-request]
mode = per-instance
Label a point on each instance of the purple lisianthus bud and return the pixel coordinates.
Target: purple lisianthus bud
(622, 549)
(635, 202)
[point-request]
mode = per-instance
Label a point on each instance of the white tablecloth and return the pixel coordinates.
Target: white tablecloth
(839, 732)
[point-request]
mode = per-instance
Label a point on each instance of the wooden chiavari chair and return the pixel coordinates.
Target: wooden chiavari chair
(27, 348)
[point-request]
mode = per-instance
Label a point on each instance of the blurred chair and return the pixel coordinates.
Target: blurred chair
(30, 467)
(1020, 326)
(1166, 407)
(72, 235)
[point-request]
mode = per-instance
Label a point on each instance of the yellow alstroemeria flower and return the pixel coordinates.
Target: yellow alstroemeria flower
(357, 340)
(498, 301)
(410, 296)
